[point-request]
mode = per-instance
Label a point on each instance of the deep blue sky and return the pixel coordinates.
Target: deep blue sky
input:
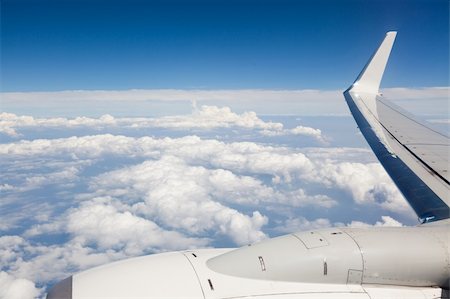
(59, 45)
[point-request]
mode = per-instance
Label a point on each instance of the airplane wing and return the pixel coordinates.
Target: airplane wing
(414, 155)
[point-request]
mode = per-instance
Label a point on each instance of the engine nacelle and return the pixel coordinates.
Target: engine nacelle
(372, 263)
(389, 256)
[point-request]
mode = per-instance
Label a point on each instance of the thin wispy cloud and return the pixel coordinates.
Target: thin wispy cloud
(155, 101)
(135, 95)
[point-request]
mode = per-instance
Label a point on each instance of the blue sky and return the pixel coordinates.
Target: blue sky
(61, 45)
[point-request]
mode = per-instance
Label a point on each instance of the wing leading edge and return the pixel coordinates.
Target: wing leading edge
(414, 155)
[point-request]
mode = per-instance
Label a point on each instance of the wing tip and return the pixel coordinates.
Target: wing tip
(370, 77)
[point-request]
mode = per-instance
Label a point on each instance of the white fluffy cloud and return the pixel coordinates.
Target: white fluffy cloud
(385, 221)
(99, 222)
(299, 130)
(17, 288)
(154, 194)
(366, 182)
(44, 263)
(205, 118)
(182, 197)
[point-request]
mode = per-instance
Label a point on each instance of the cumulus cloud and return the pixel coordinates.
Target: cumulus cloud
(109, 197)
(44, 263)
(17, 288)
(366, 182)
(182, 197)
(99, 222)
(98, 233)
(205, 118)
(385, 221)
(299, 130)
(68, 174)
(170, 193)
(216, 117)
(237, 156)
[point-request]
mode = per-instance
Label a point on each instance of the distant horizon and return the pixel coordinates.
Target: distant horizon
(159, 102)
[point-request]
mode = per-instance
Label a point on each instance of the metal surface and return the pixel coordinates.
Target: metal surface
(167, 275)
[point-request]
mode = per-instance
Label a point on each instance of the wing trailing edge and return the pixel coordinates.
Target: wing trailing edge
(414, 155)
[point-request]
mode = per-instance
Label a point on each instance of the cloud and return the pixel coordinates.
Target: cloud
(298, 102)
(170, 95)
(69, 174)
(291, 225)
(439, 121)
(98, 233)
(109, 197)
(299, 223)
(45, 263)
(17, 288)
(206, 118)
(299, 130)
(199, 95)
(216, 117)
(385, 221)
(77, 202)
(8, 131)
(366, 182)
(6, 187)
(182, 197)
(99, 222)
(402, 93)
(302, 224)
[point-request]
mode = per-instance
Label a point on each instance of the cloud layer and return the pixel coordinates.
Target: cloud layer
(154, 102)
(206, 118)
(261, 95)
(76, 202)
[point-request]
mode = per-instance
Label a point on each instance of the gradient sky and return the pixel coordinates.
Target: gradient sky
(60, 45)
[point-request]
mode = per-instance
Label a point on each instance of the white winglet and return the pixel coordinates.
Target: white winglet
(370, 77)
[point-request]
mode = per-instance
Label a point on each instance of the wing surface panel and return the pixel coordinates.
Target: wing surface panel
(430, 145)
